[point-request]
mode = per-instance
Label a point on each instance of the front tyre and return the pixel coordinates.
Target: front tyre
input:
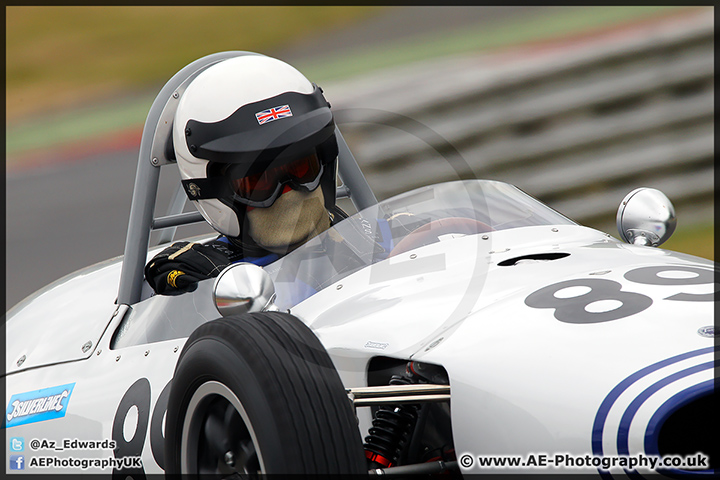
(258, 393)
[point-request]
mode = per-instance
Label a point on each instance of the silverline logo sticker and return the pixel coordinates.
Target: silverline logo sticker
(38, 405)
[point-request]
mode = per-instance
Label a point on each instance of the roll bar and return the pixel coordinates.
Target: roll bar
(153, 155)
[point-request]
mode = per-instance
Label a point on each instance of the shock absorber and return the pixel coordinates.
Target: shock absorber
(391, 429)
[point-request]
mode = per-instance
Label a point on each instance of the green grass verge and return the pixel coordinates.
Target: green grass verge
(77, 125)
(698, 240)
(56, 56)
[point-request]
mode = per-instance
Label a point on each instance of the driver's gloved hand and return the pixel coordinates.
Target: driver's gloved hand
(178, 268)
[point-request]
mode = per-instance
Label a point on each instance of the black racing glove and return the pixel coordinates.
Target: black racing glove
(178, 268)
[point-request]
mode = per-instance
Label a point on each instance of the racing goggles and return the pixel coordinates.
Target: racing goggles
(263, 188)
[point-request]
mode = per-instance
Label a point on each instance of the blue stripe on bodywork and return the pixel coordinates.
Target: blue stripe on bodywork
(607, 403)
(624, 428)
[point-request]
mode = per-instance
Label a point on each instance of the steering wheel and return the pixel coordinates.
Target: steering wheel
(431, 232)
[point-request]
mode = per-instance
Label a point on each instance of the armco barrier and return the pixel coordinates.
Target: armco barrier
(577, 126)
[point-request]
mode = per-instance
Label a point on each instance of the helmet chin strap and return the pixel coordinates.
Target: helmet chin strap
(295, 217)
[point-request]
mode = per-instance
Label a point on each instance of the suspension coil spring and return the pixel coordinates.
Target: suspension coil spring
(391, 428)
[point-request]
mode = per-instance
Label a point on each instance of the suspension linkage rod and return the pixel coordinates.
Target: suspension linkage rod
(428, 468)
(413, 393)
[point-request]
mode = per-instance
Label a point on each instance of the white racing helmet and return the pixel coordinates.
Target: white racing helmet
(245, 130)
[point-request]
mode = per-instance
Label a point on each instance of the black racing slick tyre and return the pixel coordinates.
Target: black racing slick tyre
(258, 394)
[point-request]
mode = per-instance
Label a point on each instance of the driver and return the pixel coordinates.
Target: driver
(255, 145)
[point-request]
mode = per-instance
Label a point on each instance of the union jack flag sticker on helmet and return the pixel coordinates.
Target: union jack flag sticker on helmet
(274, 113)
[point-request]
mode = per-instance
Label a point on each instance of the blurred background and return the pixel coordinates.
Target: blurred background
(575, 105)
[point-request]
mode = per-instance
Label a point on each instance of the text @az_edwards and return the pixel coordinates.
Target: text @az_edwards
(71, 444)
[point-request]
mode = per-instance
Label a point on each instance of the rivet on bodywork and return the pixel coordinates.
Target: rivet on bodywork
(117, 359)
(485, 237)
(413, 256)
(21, 360)
(175, 350)
(98, 352)
(554, 230)
(339, 287)
(147, 352)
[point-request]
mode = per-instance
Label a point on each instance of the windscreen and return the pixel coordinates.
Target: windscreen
(403, 223)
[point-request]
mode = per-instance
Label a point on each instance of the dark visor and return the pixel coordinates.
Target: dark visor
(262, 189)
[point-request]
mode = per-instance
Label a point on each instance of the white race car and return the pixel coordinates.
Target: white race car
(459, 328)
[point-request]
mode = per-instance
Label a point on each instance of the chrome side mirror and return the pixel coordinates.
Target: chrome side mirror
(242, 288)
(646, 217)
